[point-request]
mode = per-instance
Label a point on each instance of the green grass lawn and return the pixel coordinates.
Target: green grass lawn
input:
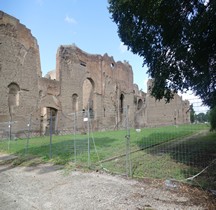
(163, 152)
(108, 144)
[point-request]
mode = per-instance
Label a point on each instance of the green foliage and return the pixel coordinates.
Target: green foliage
(192, 114)
(176, 40)
(202, 118)
(213, 118)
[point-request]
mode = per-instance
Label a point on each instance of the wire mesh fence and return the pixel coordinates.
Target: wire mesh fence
(176, 152)
(73, 138)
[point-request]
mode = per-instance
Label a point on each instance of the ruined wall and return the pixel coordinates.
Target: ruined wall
(140, 108)
(97, 80)
(49, 91)
(162, 113)
(80, 82)
(19, 70)
(117, 82)
(51, 75)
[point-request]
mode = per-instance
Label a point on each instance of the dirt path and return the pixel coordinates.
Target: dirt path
(46, 186)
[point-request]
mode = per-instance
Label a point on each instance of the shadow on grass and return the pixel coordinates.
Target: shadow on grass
(197, 151)
(193, 154)
(64, 151)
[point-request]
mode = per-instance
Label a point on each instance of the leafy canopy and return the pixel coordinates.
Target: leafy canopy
(177, 40)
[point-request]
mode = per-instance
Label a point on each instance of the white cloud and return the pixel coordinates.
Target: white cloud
(70, 20)
(122, 47)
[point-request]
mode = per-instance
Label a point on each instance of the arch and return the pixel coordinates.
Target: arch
(48, 120)
(74, 102)
(13, 97)
(88, 95)
(140, 104)
(121, 103)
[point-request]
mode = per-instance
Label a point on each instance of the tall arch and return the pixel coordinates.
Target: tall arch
(121, 103)
(13, 97)
(88, 95)
(48, 120)
(140, 104)
(74, 102)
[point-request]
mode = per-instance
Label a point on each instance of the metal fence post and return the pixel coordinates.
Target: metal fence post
(10, 124)
(51, 121)
(10, 130)
(29, 130)
(128, 159)
(75, 137)
(88, 137)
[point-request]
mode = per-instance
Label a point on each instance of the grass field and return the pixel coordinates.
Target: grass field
(176, 152)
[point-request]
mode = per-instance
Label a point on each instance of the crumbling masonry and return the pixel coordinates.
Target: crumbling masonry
(80, 82)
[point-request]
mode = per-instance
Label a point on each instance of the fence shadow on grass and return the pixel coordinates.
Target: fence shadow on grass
(195, 150)
(64, 151)
(192, 154)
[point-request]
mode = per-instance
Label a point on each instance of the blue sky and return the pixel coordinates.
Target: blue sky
(86, 23)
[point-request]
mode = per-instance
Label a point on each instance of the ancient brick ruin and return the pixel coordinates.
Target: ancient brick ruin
(80, 82)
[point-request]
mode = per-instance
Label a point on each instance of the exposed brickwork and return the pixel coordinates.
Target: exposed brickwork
(80, 81)
(20, 64)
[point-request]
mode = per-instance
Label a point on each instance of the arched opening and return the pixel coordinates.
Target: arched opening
(48, 120)
(13, 96)
(74, 102)
(140, 104)
(88, 96)
(121, 103)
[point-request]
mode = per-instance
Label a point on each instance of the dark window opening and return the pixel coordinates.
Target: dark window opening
(74, 102)
(82, 63)
(121, 103)
(91, 113)
(112, 65)
(140, 104)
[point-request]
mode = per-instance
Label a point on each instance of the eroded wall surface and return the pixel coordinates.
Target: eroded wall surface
(80, 82)
(19, 70)
(97, 81)
(160, 113)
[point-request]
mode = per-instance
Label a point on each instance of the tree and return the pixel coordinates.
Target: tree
(201, 117)
(177, 40)
(208, 116)
(213, 119)
(192, 114)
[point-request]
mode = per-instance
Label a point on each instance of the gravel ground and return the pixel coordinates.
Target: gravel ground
(48, 187)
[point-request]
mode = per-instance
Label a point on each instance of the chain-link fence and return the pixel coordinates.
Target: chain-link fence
(81, 138)
(106, 141)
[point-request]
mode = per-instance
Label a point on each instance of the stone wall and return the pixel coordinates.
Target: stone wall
(160, 113)
(19, 69)
(80, 82)
(97, 80)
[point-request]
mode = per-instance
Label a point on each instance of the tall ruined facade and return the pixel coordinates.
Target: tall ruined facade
(20, 71)
(80, 82)
(96, 83)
